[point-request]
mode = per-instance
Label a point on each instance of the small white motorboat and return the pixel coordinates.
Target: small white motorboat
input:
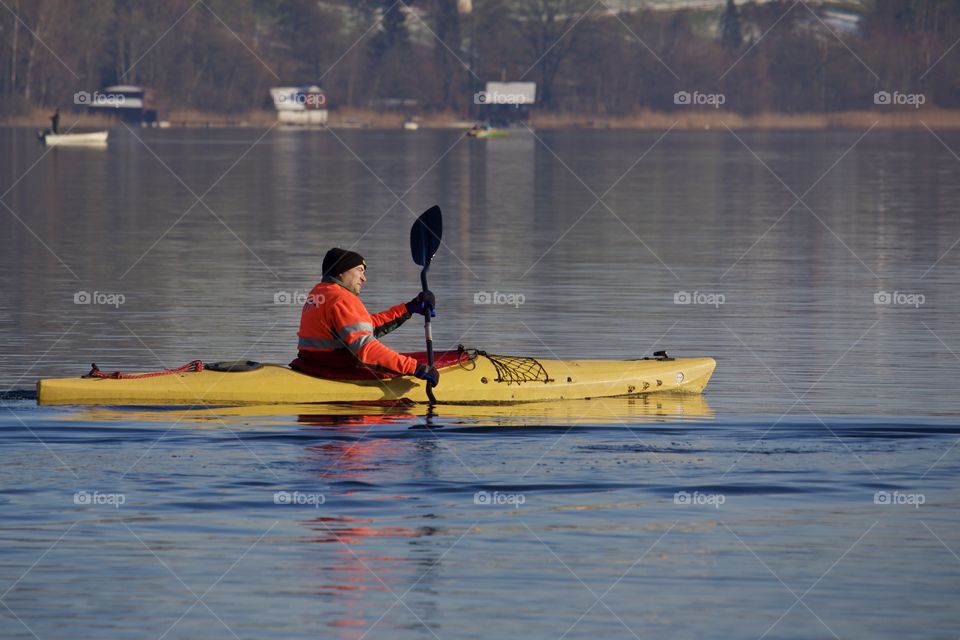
(94, 138)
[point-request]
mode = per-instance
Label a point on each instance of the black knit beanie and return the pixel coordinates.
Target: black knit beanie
(339, 260)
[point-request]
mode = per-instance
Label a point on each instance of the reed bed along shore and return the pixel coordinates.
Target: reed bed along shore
(906, 118)
(717, 118)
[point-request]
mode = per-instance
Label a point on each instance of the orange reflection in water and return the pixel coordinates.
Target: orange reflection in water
(356, 570)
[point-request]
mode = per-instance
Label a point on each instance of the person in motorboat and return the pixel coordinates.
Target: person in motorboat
(338, 337)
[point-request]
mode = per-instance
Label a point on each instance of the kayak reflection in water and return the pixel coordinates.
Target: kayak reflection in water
(338, 337)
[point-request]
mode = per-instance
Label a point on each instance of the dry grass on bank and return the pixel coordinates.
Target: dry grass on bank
(40, 119)
(343, 117)
(366, 119)
(718, 119)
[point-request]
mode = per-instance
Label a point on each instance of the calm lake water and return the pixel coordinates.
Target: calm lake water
(809, 493)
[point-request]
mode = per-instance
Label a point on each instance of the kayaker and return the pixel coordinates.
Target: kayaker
(338, 337)
(55, 121)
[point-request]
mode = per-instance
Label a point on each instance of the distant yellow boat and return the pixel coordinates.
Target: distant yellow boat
(487, 132)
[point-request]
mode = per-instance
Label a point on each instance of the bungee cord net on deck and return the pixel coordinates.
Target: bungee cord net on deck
(511, 369)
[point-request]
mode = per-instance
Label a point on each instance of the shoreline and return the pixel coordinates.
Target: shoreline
(899, 119)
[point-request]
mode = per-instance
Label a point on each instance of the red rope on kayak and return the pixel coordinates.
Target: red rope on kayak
(194, 365)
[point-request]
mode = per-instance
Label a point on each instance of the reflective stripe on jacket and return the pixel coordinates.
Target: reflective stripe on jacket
(334, 319)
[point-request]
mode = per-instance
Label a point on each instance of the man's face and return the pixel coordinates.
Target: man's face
(354, 278)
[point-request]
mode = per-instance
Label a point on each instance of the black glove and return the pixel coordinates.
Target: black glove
(430, 374)
(420, 304)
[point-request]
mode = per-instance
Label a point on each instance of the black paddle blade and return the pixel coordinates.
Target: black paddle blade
(425, 236)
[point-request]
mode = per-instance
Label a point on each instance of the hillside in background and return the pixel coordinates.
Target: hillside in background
(593, 58)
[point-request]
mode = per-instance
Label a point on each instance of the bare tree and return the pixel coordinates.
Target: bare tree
(550, 30)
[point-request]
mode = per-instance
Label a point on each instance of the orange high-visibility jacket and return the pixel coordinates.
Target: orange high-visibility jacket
(334, 321)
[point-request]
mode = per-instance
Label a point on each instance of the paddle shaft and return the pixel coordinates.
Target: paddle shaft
(424, 242)
(427, 334)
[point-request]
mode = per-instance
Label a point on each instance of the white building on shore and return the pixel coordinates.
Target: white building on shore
(306, 104)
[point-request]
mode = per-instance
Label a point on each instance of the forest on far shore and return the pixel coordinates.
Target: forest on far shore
(784, 56)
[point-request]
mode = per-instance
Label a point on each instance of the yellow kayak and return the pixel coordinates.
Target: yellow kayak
(478, 378)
